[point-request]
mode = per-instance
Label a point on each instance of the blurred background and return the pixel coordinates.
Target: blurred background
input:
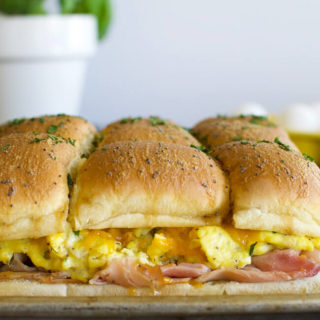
(179, 59)
(187, 59)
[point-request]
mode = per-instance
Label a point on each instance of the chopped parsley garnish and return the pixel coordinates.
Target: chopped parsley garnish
(261, 118)
(15, 122)
(53, 138)
(70, 182)
(263, 141)
(130, 120)
(307, 157)
(237, 138)
(200, 148)
(222, 116)
(84, 156)
(72, 141)
(252, 248)
(156, 121)
(77, 233)
(282, 145)
(5, 147)
(52, 129)
(61, 115)
(36, 140)
(245, 142)
(41, 120)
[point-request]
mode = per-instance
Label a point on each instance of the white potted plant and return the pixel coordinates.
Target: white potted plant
(43, 57)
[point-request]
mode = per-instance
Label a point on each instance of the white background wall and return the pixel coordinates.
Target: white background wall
(188, 59)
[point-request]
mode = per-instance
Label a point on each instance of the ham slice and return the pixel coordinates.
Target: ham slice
(128, 272)
(312, 255)
(277, 265)
(184, 270)
(247, 274)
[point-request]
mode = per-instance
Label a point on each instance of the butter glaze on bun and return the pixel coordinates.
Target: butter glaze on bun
(214, 132)
(149, 129)
(148, 184)
(75, 129)
(33, 185)
(272, 189)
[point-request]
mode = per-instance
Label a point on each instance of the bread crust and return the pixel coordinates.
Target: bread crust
(145, 130)
(33, 187)
(213, 132)
(300, 286)
(26, 288)
(146, 184)
(271, 188)
(69, 127)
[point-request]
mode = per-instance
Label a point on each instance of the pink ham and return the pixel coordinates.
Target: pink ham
(247, 274)
(312, 255)
(277, 265)
(283, 260)
(184, 270)
(128, 272)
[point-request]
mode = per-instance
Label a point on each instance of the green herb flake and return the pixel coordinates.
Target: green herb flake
(222, 116)
(260, 118)
(41, 120)
(187, 129)
(245, 142)
(61, 115)
(16, 122)
(157, 121)
(5, 147)
(84, 156)
(200, 148)
(252, 248)
(52, 129)
(237, 138)
(70, 182)
(282, 145)
(53, 138)
(309, 158)
(77, 233)
(72, 141)
(36, 140)
(263, 141)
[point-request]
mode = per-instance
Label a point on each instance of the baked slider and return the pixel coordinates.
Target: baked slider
(147, 129)
(214, 132)
(150, 217)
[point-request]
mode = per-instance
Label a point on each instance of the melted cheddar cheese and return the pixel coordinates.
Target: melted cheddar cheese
(83, 253)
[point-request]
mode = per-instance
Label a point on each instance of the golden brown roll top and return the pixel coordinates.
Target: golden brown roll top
(73, 130)
(149, 129)
(272, 187)
(214, 132)
(33, 185)
(148, 184)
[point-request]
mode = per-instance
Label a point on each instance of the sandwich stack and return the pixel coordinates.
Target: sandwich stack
(145, 207)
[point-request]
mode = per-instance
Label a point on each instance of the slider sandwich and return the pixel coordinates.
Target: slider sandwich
(149, 217)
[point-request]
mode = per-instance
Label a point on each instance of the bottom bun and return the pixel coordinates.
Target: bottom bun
(300, 286)
(25, 288)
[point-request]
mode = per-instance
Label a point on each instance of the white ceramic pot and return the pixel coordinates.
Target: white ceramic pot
(43, 61)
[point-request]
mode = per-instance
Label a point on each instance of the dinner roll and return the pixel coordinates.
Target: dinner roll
(75, 130)
(213, 132)
(152, 129)
(273, 187)
(33, 185)
(148, 184)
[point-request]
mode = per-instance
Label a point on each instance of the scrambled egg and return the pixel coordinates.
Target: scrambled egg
(83, 253)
